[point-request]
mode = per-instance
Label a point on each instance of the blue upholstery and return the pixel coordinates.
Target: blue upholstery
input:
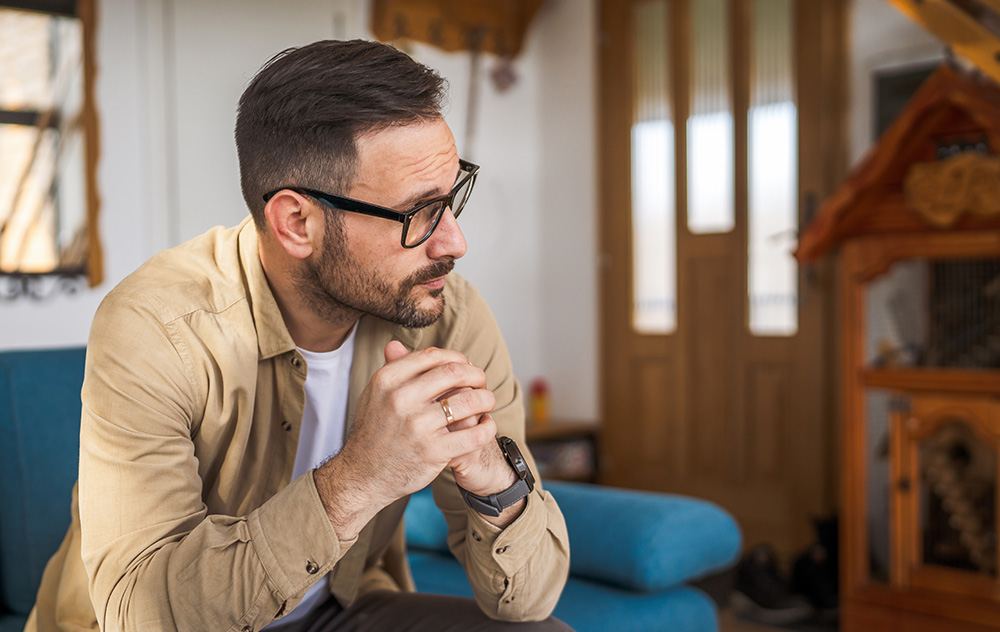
(39, 453)
(12, 622)
(630, 556)
(588, 606)
(632, 552)
(642, 540)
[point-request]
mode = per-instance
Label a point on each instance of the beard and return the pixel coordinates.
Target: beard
(339, 289)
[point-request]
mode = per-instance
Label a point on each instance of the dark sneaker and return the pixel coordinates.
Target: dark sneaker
(814, 576)
(760, 593)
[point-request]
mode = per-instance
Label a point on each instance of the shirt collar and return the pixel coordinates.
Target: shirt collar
(272, 334)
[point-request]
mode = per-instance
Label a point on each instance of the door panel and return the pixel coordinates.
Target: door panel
(710, 409)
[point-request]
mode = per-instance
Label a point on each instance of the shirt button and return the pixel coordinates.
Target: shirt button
(296, 362)
(311, 567)
(476, 537)
(246, 628)
(287, 426)
(501, 550)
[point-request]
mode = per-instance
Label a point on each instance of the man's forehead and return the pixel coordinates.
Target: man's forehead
(407, 160)
(417, 147)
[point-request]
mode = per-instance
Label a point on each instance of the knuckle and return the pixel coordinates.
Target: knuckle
(381, 379)
(395, 401)
(489, 399)
(452, 370)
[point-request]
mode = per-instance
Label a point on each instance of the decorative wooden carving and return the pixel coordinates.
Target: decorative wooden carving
(941, 192)
(495, 26)
(949, 109)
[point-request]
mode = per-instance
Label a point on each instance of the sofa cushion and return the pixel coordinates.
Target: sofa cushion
(425, 525)
(12, 622)
(40, 424)
(642, 541)
(587, 606)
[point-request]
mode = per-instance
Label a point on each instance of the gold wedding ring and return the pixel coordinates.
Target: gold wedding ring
(447, 411)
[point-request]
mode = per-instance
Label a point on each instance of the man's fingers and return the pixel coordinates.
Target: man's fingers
(462, 424)
(453, 378)
(433, 385)
(470, 439)
(465, 404)
(394, 351)
(403, 366)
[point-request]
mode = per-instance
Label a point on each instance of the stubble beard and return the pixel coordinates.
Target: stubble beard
(338, 289)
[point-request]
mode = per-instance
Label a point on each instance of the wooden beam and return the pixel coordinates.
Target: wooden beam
(992, 5)
(966, 36)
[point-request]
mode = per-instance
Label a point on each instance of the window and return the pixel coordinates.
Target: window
(47, 131)
(654, 239)
(772, 214)
(697, 35)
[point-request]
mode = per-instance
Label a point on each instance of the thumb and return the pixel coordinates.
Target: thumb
(394, 351)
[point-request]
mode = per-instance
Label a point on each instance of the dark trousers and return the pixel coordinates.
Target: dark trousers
(385, 611)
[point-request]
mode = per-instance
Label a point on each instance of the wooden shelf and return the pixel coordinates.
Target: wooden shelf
(565, 450)
(560, 430)
(973, 382)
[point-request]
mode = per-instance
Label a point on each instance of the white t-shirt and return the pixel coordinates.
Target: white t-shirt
(322, 434)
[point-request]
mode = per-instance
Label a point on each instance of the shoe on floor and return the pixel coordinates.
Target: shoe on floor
(761, 595)
(814, 576)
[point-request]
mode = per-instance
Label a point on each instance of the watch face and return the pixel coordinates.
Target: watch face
(516, 460)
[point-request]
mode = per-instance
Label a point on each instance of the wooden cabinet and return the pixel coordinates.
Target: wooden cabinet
(921, 433)
(920, 365)
(565, 450)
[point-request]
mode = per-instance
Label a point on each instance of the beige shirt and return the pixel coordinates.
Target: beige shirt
(185, 516)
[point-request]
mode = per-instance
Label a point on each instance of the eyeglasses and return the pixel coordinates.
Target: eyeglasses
(420, 221)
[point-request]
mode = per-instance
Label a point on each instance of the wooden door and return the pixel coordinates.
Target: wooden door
(699, 403)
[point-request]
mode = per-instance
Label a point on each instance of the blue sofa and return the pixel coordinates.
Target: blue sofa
(633, 554)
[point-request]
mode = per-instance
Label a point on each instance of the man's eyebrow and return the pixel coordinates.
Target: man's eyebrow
(414, 200)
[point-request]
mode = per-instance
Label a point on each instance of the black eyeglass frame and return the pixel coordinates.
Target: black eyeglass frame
(467, 170)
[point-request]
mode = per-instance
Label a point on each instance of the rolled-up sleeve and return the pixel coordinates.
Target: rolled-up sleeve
(517, 573)
(155, 558)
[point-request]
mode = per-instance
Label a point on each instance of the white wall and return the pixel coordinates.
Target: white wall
(882, 39)
(170, 76)
(531, 225)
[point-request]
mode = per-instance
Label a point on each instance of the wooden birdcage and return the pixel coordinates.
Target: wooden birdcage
(917, 225)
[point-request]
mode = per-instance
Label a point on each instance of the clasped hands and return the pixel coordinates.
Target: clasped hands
(401, 439)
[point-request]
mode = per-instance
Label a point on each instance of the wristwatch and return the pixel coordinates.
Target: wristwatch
(493, 504)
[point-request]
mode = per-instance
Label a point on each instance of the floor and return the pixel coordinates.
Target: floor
(728, 622)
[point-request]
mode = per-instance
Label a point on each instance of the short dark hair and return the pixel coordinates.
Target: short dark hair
(301, 115)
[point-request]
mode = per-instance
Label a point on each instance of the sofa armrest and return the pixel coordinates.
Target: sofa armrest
(642, 541)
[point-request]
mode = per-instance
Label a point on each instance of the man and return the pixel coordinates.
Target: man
(223, 374)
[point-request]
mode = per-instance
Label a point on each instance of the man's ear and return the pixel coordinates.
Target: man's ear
(295, 223)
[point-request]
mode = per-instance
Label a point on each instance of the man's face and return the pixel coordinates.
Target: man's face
(361, 264)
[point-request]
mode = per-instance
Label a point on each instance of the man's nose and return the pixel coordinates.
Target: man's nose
(447, 240)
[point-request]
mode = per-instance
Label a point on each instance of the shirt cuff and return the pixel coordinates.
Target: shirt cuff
(509, 548)
(294, 539)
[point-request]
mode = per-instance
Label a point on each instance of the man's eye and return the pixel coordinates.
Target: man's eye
(431, 209)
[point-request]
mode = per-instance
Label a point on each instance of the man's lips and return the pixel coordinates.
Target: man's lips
(435, 283)
(435, 275)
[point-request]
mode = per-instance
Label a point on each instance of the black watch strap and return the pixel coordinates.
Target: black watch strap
(493, 504)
